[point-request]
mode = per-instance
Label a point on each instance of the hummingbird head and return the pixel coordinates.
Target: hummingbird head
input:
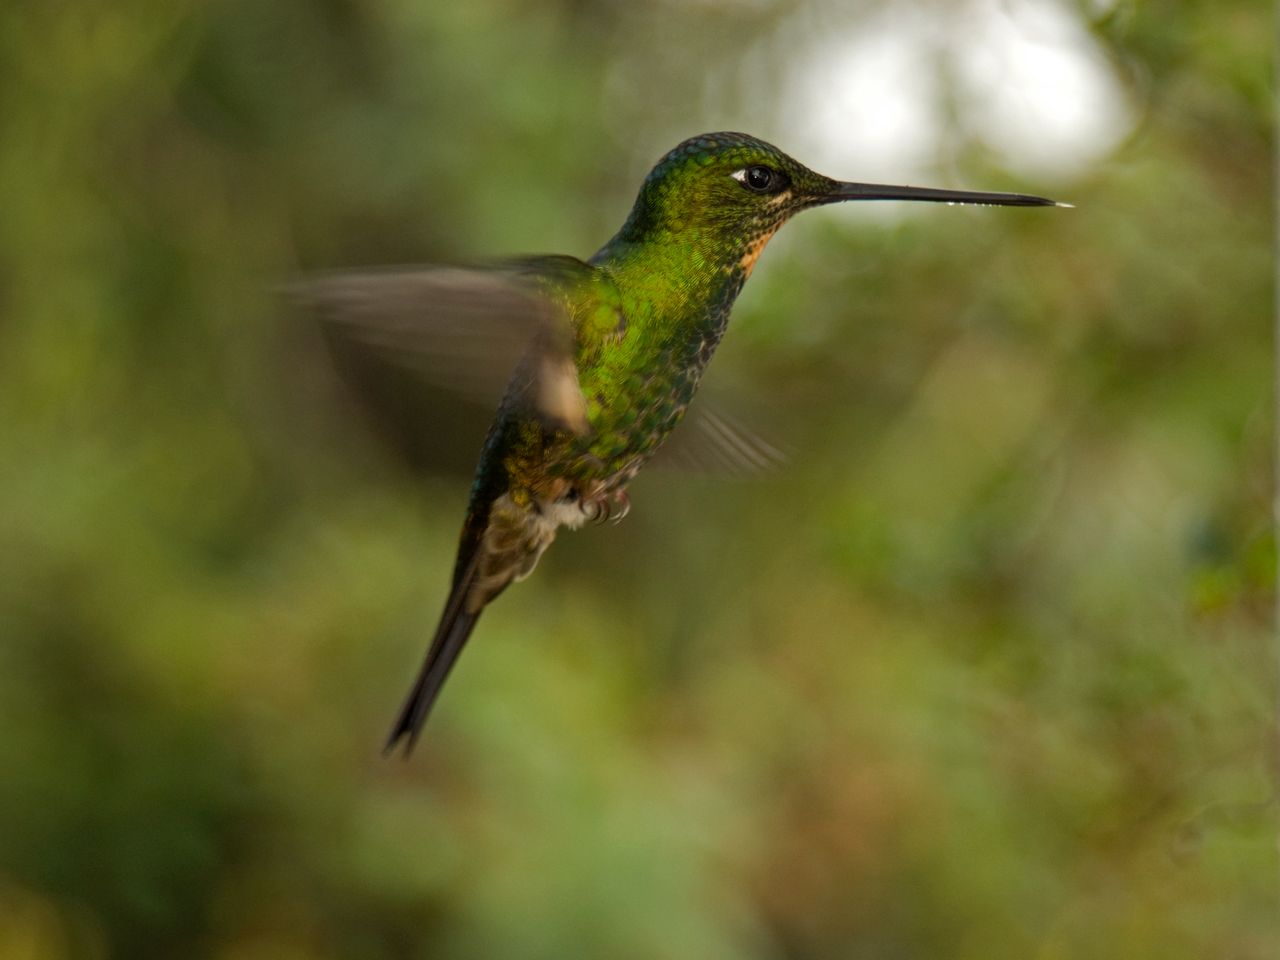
(728, 193)
(726, 188)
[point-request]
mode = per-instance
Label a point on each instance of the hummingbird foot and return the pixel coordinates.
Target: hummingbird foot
(607, 506)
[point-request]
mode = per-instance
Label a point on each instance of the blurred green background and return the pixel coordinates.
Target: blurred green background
(986, 672)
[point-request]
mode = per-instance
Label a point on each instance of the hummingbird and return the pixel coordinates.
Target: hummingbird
(602, 356)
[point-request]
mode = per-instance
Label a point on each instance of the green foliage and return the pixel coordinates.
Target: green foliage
(985, 673)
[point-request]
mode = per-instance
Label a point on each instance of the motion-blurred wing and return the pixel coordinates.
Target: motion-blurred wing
(463, 331)
(710, 440)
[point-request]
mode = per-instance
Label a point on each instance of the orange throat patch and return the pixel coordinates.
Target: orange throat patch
(754, 249)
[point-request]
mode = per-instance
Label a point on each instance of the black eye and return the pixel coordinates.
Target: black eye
(762, 179)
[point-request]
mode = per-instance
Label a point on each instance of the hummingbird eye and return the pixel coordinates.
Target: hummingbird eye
(761, 179)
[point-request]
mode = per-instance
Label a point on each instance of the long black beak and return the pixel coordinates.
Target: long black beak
(880, 191)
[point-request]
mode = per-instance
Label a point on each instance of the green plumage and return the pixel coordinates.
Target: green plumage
(615, 350)
(650, 307)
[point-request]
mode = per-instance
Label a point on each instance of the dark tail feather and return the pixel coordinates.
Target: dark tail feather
(451, 636)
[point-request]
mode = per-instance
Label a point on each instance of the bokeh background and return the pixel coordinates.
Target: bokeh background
(985, 672)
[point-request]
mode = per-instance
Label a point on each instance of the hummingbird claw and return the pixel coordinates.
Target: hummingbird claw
(622, 504)
(609, 506)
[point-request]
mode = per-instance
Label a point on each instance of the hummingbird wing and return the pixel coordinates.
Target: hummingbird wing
(448, 329)
(711, 440)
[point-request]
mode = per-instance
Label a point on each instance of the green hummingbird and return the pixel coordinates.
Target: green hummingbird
(607, 354)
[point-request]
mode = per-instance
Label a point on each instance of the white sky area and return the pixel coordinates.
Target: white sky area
(1022, 76)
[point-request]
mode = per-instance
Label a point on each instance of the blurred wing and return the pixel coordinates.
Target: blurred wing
(710, 440)
(467, 332)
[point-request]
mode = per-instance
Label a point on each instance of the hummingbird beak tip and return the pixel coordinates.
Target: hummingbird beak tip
(1065, 206)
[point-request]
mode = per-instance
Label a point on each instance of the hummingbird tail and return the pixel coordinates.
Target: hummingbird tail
(500, 544)
(451, 636)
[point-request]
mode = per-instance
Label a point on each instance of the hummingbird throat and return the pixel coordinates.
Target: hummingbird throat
(754, 249)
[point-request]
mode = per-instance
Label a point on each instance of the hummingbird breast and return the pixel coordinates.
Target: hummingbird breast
(641, 349)
(633, 407)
